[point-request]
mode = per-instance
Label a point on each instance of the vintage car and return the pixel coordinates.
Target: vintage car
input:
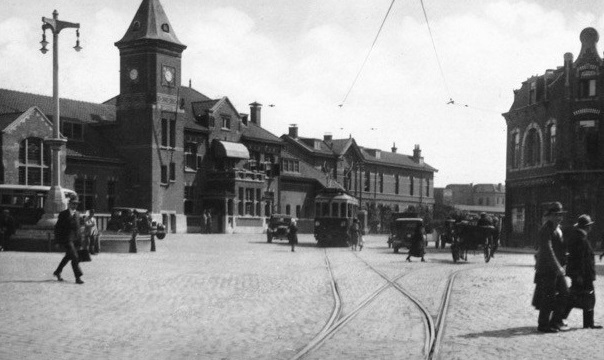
(402, 230)
(278, 227)
(123, 220)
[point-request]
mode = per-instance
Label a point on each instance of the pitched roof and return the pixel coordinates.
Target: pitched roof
(254, 132)
(339, 146)
(150, 23)
(390, 158)
(7, 119)
(192, 100)
(307, 144)
(15, 101)
(489, 188)
(307, 172)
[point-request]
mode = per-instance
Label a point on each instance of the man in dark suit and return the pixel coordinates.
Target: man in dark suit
(66, 234)
(551, 291)
(581, 269)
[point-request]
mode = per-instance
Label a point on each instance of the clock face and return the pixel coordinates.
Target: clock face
(133, 74)
(168, 75)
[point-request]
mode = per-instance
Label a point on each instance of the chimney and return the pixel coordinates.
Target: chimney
(293, 131)
(255, 109)
(328, 137)
(417, 155)
(499, 187)
(568, 64)
(394, 148)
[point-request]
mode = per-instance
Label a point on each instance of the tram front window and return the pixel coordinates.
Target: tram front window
(334, 209)
(324, 209)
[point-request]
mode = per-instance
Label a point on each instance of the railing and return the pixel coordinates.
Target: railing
(243, 174)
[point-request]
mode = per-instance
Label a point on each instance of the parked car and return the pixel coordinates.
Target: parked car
(278, 227)
(123, 220)
(401, 232)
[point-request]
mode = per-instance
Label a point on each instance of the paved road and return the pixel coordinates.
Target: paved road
(237, 297)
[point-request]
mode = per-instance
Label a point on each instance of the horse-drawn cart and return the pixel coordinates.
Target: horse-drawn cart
(471, 236)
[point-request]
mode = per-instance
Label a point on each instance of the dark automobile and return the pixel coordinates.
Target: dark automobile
(402, 231)
(278, 227)
(123, 220)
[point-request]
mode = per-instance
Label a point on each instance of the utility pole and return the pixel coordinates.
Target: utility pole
(55, 200)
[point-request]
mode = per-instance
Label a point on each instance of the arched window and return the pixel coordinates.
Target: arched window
(550, 143)
(514, 150)
(34, 162)
(532, 148)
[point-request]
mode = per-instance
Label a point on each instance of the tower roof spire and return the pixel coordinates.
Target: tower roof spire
(150, 23)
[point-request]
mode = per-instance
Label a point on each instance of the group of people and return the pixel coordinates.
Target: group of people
(75, 232)
(556, 259)
(356, 235)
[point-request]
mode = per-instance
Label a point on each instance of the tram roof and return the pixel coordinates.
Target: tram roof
(340, 197)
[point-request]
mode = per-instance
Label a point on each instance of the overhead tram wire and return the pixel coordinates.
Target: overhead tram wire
(368, 53)
(442, 73)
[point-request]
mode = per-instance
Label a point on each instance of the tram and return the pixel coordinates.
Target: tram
(335, 209)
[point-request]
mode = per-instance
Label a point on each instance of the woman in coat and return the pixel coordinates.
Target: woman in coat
(355, 234)
(293, 234)
(417, 243)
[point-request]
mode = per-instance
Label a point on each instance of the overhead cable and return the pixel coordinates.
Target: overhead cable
(368, 53)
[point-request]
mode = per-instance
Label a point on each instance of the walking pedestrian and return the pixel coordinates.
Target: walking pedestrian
(8, 226)
(551, 291)
(417, 248)
(92, 233)
(204, 221)
(208, 222)
(355, 234)
(581, 269)
(67, 234)
(293, 234)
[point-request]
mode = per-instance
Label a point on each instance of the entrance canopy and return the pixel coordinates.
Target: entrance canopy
(226, 149)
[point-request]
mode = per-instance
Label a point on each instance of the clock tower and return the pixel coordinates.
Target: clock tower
(149, 131)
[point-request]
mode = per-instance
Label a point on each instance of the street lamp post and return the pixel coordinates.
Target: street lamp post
(55, 200)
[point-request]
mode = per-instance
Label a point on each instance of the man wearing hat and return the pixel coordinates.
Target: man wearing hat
(551, 291)
(66, 234)
(581, 269)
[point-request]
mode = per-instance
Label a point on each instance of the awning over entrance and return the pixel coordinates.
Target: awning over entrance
(232, 150)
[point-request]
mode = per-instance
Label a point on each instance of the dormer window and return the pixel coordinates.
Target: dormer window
(226, 122)
(136, 26)
(317, 145)
(72, 130)
(533, 93)
(165, 27)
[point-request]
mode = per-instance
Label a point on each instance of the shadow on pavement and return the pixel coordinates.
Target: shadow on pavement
(507, 333)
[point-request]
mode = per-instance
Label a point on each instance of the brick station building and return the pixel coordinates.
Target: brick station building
(555, 146)
(169, 148)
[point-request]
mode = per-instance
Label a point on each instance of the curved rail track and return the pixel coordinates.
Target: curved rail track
(433, 328)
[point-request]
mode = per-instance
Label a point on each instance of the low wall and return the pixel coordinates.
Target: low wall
(36, 240)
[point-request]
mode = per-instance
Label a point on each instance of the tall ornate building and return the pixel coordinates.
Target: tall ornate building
(555, 144)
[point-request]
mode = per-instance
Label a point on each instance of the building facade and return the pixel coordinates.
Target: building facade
(170, 149)
(555, 143)
(383, 181)
(156, 145)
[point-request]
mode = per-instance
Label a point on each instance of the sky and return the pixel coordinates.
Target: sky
(303, 57)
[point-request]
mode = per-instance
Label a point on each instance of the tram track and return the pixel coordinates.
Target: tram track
(434, 328)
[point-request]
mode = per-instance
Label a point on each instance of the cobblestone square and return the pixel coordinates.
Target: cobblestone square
(238, 297)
